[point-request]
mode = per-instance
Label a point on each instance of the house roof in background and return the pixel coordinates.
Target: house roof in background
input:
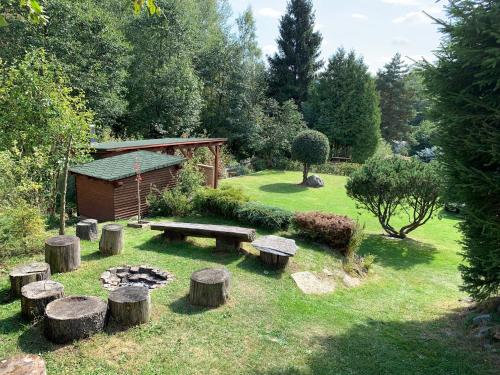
(122, 166)
(146, 143)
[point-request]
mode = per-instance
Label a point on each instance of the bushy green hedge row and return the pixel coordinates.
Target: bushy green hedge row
(262, 215)
(338, 169)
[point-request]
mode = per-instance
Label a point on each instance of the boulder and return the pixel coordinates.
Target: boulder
(314, 181)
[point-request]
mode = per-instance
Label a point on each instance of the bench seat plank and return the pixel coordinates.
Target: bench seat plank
(207, 230)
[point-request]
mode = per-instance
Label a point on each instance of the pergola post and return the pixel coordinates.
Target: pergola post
(216, 166)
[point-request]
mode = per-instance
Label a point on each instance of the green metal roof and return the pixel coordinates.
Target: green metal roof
(150, 142)
(121, 166)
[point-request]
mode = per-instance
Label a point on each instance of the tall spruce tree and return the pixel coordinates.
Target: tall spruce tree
(344, 106)
(294, 66)
(396, 100)
(464, 83)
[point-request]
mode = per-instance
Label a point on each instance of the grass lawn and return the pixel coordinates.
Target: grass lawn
(404, 319)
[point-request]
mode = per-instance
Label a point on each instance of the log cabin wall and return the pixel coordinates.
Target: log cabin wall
(125, 190)
(94, 198)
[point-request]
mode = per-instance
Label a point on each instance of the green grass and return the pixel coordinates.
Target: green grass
(404, 319)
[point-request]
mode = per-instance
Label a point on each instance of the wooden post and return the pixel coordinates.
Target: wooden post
(216, 166)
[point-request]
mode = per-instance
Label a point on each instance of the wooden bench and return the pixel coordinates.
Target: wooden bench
(275, 251)
(227, 237)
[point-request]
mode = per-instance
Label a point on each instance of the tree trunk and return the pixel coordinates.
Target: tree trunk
(209, 287)
(64, 188)
(305, 172)
(23, 364)
(63, 253)
(28, 273)
(130, 305)
(111, 242)
(72, 318)
(37, 295)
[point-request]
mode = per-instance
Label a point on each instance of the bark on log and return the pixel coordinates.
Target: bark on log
(73, 318)
(63, 253)
(209, 287)
(130, 305)
(28, 273)
(23, 364)
(111, 242)
(274, 260)
(227, 244)
(87, 230)
(37, 295)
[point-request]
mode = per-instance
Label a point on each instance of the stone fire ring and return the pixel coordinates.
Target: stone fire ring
(147, 276)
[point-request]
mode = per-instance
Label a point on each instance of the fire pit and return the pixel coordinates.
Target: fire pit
(147, 276)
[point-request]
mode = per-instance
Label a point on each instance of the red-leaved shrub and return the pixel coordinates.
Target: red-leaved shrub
(333, 230)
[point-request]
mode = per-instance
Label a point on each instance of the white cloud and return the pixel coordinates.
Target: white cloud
(359, 16)
(413, 18)
(318, 26)
(269, 49)
(399, 41)
(269, 12)
(402, 2)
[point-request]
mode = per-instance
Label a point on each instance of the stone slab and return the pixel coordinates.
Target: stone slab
(309, 283)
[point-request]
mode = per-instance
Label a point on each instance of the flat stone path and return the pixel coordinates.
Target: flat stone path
(309, 283)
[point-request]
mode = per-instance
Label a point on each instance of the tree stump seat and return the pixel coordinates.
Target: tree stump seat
(27, 273)
(209, 287)
(23, 364)
(63, 253)
(37, 295)
(111, 242)
(228, 238)
(73, 318)
(130, 305)
(87, 230)
(275, 251)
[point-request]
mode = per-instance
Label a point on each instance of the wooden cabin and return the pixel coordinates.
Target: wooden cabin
(106, 189)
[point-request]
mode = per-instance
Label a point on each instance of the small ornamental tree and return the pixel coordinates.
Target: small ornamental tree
(310, 147)
(396, 186)
(138, 179)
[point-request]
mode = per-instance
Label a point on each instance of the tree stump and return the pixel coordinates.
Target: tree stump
(273, 260)
(87, 230)
(28, 273)
(63, 253)
(111, 242)
(23, 364)
(209, 287)
(37, 295)
(227, 244)
(130, 305)
(72, 318)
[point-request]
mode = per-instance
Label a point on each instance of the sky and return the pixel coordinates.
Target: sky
(376, 29)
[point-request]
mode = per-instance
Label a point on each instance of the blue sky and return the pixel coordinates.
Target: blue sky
(376, 29)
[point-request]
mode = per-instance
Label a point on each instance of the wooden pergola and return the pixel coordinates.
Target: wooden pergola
(186, 147)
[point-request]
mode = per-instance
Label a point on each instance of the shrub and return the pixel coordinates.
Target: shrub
(333, 230)
(169, 202)
(310, 147)
(190, 178)
(264, 216)
(22, 230)
(224, 201)
(391, 186)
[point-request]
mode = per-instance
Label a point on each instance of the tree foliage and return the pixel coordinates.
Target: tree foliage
(464, 83)
(310, 147)
(293, 68)
(344, 105)
(397, 186)
(396, 100)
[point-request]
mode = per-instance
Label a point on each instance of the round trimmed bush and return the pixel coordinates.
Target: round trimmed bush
(310, 147)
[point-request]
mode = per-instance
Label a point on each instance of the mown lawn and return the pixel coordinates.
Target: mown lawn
(406, 317)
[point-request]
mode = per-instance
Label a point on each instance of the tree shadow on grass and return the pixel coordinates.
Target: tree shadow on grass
(438, 347)
(184, 307)
(33, 340)
(398, 254)
(252, 263)
(5, 296)
(96, 255)
(11, 324)
(283, 188)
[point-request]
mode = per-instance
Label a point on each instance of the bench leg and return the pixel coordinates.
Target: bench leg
(273, 260)
(227, 244)
(174, 237)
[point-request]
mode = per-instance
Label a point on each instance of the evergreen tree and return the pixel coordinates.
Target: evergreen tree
(396, 100)
(344, 106)
(464, 83)
(294, 66)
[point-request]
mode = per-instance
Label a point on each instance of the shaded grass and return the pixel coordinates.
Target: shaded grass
(404, 319)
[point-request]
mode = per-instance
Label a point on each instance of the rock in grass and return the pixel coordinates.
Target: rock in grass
(481, 319)
(314, 181)
(23, 364)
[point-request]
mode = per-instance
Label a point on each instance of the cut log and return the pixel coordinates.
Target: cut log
(28, 273)
(87, 230)
(227, 244)
(23, 364)
(111, 242)
(62, 253)
(37, 295)
(275, 251)
(130, 305)
(209, 287)
(73, 318)
(273, 260)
